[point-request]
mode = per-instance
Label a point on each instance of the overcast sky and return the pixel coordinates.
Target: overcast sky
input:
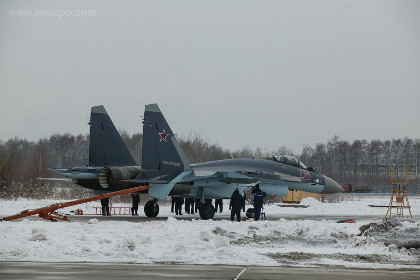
(240, 73)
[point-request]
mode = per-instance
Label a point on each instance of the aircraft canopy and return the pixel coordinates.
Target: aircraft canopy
(291, 160)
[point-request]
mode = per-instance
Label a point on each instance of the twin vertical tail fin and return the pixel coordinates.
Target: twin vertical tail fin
(106, 147)
(161, 150)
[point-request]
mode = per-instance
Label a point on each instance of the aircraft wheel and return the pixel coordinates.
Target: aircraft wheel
(151, 208)
(250, 213)
(206, 211)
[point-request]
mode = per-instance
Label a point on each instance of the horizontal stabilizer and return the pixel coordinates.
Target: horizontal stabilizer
(60, 170)
(142, 181)
(162, 191)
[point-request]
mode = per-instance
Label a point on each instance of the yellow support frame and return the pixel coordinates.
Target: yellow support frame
(399, 198)
(405, 183)
(399, 201)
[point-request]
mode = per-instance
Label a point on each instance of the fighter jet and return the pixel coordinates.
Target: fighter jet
(165, 166)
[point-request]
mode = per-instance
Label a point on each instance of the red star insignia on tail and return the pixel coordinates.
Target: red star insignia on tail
(163, 136)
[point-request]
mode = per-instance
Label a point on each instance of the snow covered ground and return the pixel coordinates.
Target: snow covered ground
(296, 242)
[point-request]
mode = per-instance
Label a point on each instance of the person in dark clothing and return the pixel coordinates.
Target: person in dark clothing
(258, 201)
(192, 207)
(135, 197)
(219, 204)
(178, 205)
(105, 207)
(197, 204)
(188, 205)
(235, 206)
(173, 204)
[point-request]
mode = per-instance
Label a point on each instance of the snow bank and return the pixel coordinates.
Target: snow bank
(283, 242)
(298, 242)
(310, 201)
(399, 232)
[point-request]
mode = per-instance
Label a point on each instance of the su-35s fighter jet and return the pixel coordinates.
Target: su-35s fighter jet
(165, 166)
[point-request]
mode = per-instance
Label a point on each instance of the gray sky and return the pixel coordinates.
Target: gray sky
(240, 73)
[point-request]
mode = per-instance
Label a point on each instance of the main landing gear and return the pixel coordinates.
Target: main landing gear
(206, 211)
(250, 213)
(151, 208)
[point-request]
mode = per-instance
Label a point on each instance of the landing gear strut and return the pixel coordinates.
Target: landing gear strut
(151, 208)
(206, 211)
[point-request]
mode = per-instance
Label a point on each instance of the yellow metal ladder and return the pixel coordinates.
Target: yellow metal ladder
(399, 198)
(399, 201)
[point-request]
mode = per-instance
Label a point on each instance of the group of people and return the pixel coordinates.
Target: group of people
(237, 203)
(191, 205)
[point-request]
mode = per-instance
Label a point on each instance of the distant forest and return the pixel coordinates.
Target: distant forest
(359, 163)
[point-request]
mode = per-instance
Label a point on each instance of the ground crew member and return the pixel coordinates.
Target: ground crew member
(235, 206)
(219, 204)
(188, 208)
(173, 204)
(197, 205)
(105, 207)
(192, 207)
(258, 201)
(135, 197)
(178, 205)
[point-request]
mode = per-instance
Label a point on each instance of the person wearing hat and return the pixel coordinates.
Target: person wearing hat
(135, 197)
(258, 201)
(235, 205)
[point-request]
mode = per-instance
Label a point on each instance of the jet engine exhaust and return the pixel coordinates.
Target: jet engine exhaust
(111, 176)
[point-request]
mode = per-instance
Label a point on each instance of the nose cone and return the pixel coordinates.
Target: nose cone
(331, 186)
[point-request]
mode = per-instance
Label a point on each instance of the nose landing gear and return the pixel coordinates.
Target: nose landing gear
(151, 208)
(206, 211)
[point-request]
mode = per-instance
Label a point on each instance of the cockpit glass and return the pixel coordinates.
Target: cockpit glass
(291, 160)
(301, 165)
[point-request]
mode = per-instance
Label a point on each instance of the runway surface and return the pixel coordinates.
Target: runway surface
(90, 271)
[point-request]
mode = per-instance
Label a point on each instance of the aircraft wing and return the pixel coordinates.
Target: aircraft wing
(216, 184)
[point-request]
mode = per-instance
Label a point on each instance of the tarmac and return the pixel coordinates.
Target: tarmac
(103, 271)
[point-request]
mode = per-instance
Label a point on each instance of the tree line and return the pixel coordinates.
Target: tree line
(361, 162)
